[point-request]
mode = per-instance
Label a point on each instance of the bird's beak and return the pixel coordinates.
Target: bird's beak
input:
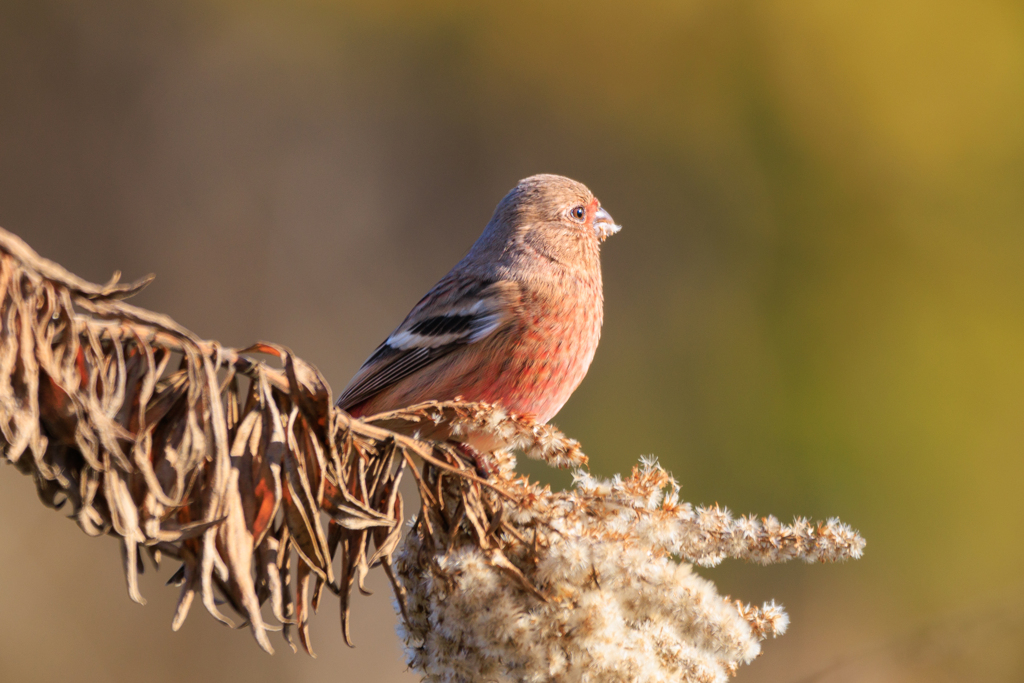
(604, 225)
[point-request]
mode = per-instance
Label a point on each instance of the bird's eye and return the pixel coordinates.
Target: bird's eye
(578, 213)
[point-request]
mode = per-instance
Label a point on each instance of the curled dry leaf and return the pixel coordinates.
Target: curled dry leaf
(199, 452)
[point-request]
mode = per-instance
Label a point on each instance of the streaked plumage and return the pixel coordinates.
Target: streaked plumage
(516, 321)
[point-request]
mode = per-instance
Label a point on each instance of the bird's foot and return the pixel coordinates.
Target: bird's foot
(481, 462)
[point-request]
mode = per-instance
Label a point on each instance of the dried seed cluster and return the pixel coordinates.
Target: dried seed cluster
(586, 585)
(267, 494)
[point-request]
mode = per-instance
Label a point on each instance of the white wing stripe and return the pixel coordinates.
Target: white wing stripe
(478, 329)
(410, 340)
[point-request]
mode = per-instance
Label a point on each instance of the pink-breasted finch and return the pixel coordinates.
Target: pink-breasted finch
(516, 322)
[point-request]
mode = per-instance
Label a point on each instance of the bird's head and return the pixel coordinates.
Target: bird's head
(553, 215)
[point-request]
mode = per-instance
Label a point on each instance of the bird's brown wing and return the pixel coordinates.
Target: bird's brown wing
(456, 312)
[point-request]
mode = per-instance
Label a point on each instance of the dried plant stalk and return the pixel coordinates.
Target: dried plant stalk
(267, 494)
(204, 453)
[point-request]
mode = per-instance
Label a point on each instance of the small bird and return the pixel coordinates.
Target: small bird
(516, 322)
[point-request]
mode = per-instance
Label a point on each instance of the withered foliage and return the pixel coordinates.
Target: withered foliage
(267, 494)
(243, 471)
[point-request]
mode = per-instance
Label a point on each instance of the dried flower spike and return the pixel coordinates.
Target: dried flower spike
(584, 585)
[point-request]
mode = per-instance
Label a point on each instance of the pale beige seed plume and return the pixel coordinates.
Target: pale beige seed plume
(585, 585)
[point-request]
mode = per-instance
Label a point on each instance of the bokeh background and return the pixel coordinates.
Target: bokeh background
(816, 305)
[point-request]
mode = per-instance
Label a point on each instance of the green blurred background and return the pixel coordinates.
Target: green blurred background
(816, 305)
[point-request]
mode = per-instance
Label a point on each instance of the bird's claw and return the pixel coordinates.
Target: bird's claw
(481, 463)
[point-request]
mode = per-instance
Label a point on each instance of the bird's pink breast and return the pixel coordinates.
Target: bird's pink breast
(531, 367)
(537, 369)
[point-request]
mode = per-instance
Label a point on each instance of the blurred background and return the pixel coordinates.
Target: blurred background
(816, 305)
